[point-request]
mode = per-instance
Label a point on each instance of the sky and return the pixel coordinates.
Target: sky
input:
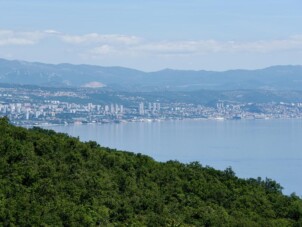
(151, 35)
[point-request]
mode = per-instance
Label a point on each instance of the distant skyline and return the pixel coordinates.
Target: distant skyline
(153, 35)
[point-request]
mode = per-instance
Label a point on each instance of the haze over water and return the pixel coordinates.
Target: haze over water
(265, 148)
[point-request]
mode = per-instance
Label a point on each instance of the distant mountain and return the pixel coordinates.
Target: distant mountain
(22, 72)
(119, 78)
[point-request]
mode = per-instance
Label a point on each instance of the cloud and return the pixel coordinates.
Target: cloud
(51, 31)
(214, 46)
(292, 43)
(9, 37)
(96, 44)
(103, 50)
(95, 38)
(181, 47)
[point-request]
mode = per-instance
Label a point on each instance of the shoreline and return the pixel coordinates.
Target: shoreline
(45, 124)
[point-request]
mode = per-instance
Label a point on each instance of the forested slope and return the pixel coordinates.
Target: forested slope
(51, 179)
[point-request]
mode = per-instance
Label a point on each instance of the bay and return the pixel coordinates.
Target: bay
(253, 148)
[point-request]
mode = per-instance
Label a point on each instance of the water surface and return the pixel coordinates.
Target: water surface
(265, 148)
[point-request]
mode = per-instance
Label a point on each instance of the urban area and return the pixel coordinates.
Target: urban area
(47, 107)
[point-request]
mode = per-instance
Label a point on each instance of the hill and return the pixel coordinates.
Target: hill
(119, 78)
(49, 178)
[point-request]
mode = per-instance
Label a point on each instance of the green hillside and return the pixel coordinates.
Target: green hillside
(51, 179)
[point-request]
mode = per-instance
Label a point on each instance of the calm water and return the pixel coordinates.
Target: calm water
(266, 148)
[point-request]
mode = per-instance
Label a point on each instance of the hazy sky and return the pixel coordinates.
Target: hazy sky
(153, 34)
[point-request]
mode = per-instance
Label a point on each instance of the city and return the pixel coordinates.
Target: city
(44, 106)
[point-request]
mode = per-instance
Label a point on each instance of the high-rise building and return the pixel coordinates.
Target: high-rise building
(90, 106)
(106, 108)
(38, 113)
(150, 106)
(158, 107)
(27, 115)
(98, 108)
(122, 109)
(112, 110)
(154, 107)
(141, 109)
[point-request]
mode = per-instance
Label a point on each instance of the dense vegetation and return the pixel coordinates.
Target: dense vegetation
(48, 178)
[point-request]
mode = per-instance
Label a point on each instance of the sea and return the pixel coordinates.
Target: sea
(252, 148)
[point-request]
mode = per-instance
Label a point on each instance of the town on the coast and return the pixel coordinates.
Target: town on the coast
(45, 106)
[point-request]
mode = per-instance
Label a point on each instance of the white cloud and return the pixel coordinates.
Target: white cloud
(115, 44)
(51, 31)
(292, 43)
(103, 50)
(181, 47)
(8, 37)
(95, 38)
(213, 46)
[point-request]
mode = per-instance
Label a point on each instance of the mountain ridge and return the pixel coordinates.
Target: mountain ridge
(284, 77)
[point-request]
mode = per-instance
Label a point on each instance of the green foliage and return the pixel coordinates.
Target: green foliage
(51, 179)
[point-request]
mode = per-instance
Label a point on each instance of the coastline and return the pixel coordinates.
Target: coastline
(147, 120)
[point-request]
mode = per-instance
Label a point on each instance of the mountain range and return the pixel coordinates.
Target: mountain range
(287, 77)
